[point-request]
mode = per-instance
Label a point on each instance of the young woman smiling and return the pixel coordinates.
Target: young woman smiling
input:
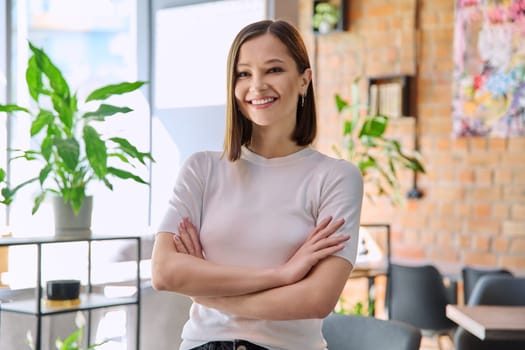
(262, 236)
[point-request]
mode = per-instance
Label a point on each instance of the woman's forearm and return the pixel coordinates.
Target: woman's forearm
(189, 275)
(178, 266)
(313, 297)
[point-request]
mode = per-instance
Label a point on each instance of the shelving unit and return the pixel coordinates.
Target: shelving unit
(90, 300)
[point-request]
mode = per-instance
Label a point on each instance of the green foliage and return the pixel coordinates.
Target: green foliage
(325, 12)
(71, 342)
(358, 308)
(71, 150)
(378, 157)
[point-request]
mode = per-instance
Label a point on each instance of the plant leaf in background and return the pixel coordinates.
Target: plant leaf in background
(71, 151)
(379, 158)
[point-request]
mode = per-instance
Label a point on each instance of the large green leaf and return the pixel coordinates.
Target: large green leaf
(56, 80)
(123, 174)
(42, 176)
(2, 174)
(69, 151)
(34, 78)
(114, 89)
(105, 110)
(13, 108)
(43, 119)
(38, 201)
(374, 126)
(65, 114)
(46, 148)
(131, 150)
(340, 103)
(96, 151)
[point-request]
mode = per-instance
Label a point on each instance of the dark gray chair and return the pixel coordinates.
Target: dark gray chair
(343, 332)
(493, 290)
(471, 275)
(418, 296)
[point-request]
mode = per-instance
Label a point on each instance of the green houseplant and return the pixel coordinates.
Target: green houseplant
(71, 151)
(73, 341)
(378, 157)
(325, 18)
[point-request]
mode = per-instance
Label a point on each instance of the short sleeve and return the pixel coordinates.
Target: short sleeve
(342, 197)
(186, 199)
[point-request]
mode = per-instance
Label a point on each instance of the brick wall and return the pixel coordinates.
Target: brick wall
(473, 209)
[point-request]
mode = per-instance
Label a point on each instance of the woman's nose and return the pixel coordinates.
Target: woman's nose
(258, 84)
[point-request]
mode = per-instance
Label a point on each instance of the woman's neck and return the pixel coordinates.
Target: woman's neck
(273, 147)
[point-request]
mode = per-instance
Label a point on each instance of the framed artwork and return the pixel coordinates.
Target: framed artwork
(489, 68)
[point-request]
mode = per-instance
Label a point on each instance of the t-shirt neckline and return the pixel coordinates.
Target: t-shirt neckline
(255, 158)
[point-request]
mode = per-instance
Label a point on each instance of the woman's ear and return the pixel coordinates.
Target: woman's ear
(306, 79)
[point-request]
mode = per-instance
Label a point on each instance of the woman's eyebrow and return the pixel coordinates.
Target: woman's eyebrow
(270, 61)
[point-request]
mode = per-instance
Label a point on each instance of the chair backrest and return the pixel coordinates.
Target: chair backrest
(499, 290)
(418, 297)
(343, 332)
(471, 275)
(493, 289)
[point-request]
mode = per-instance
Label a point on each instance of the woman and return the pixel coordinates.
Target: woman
(264, 235)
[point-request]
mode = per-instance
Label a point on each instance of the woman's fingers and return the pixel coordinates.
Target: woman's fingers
(186, 239)
(179, 246)
(327, 231)
(192, 231)
(322, 225)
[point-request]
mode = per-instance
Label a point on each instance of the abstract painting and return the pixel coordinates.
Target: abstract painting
(489, 68)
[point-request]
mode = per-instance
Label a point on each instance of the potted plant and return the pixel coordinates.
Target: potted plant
(74, 341)
(70, 150)
(325, 18)
(378, 157)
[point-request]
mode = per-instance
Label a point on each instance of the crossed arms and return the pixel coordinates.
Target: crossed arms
(308, 285)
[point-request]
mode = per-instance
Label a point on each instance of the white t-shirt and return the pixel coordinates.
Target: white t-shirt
(257, 212)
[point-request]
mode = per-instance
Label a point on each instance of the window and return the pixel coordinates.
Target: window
(94, 43)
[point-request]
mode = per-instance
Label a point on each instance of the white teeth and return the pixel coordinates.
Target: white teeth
(262, 101)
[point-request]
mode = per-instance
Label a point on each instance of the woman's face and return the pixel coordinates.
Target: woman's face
(268, 83)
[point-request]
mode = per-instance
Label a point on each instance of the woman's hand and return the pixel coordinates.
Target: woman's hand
(319, 244)
(187, 241)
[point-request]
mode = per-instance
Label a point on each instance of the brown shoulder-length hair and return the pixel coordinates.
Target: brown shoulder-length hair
(238, 127)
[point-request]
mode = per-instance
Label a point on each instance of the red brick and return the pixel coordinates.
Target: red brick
(464, 241)
(481, 259)
(478, 144)
(481, 243)
(500, 211)
(516, 144)
(481, 210)
(502, 176)
(511, 228)
(518, 246)
(461, 209)
(466, 176)
(460, 144)
(497, 144)
(500, 244)
(514, 193)
(483, 226)
(487, 194)
(518, 212)
(408, 252)
(513, 262)
(483, 176)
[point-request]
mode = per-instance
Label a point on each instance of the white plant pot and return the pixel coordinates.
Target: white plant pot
(325, 27)
(68, 224)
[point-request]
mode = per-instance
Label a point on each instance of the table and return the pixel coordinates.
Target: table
(490, 322)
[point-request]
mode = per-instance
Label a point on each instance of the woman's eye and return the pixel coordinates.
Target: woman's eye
(242, 74)
(275, 70)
